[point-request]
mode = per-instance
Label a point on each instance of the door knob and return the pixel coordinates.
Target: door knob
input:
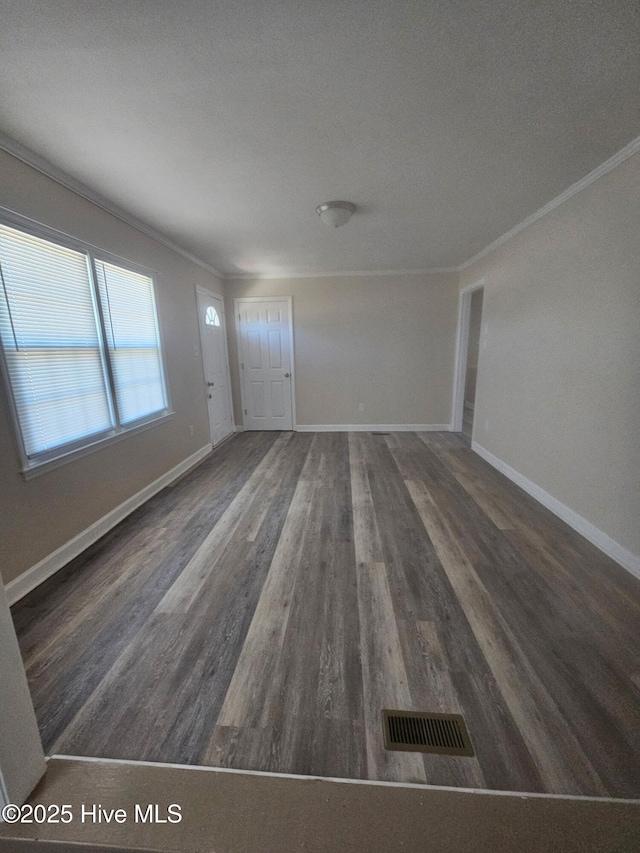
(210, 384)
(210, 396)
(286, 376)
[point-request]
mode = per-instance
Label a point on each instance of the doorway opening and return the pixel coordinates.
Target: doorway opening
(467, 358)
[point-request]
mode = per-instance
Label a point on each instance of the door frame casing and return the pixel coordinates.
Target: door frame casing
(462, 348)
(22, 760)
(289, 300)
(206, 291)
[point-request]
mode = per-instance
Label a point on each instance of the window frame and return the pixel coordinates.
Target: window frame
(46, 461)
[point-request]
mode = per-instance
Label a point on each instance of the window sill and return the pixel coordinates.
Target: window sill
(35, 469)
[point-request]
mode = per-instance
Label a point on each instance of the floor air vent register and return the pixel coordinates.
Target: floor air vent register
(411, 731)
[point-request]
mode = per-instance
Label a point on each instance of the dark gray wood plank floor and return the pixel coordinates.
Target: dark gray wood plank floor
(261, 612)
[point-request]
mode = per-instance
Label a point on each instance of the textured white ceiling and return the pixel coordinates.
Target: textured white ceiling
(224, 124)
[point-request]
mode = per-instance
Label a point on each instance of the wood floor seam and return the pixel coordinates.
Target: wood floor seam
(261, 613)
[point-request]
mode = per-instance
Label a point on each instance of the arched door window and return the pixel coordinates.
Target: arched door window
(211, 317)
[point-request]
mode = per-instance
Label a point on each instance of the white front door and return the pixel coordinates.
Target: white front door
(264, 338)
(216, 368)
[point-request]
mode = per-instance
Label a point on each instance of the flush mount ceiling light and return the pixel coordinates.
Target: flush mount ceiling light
(335, 213)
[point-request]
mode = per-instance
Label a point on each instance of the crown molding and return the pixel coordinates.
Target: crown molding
(26, 155)
(617, 159)
(41, 165)
(20, 152)
(260, 276)
(628, 151)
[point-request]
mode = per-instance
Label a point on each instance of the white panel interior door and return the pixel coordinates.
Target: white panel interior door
(265, 363)
(216, 368)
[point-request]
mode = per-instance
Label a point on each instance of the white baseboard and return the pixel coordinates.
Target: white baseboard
(373, 427)
(613, 549)
(238, 428)
(30, 579)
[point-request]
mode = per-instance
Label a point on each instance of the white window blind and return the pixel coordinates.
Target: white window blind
(132, 336)
(80, 342)
(51, 342)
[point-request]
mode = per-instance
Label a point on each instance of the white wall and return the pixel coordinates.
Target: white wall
(40, 515)
(558, 391)
(385, 341)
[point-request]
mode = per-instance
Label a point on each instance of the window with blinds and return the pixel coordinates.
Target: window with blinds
(133, 342)
(80, 342)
